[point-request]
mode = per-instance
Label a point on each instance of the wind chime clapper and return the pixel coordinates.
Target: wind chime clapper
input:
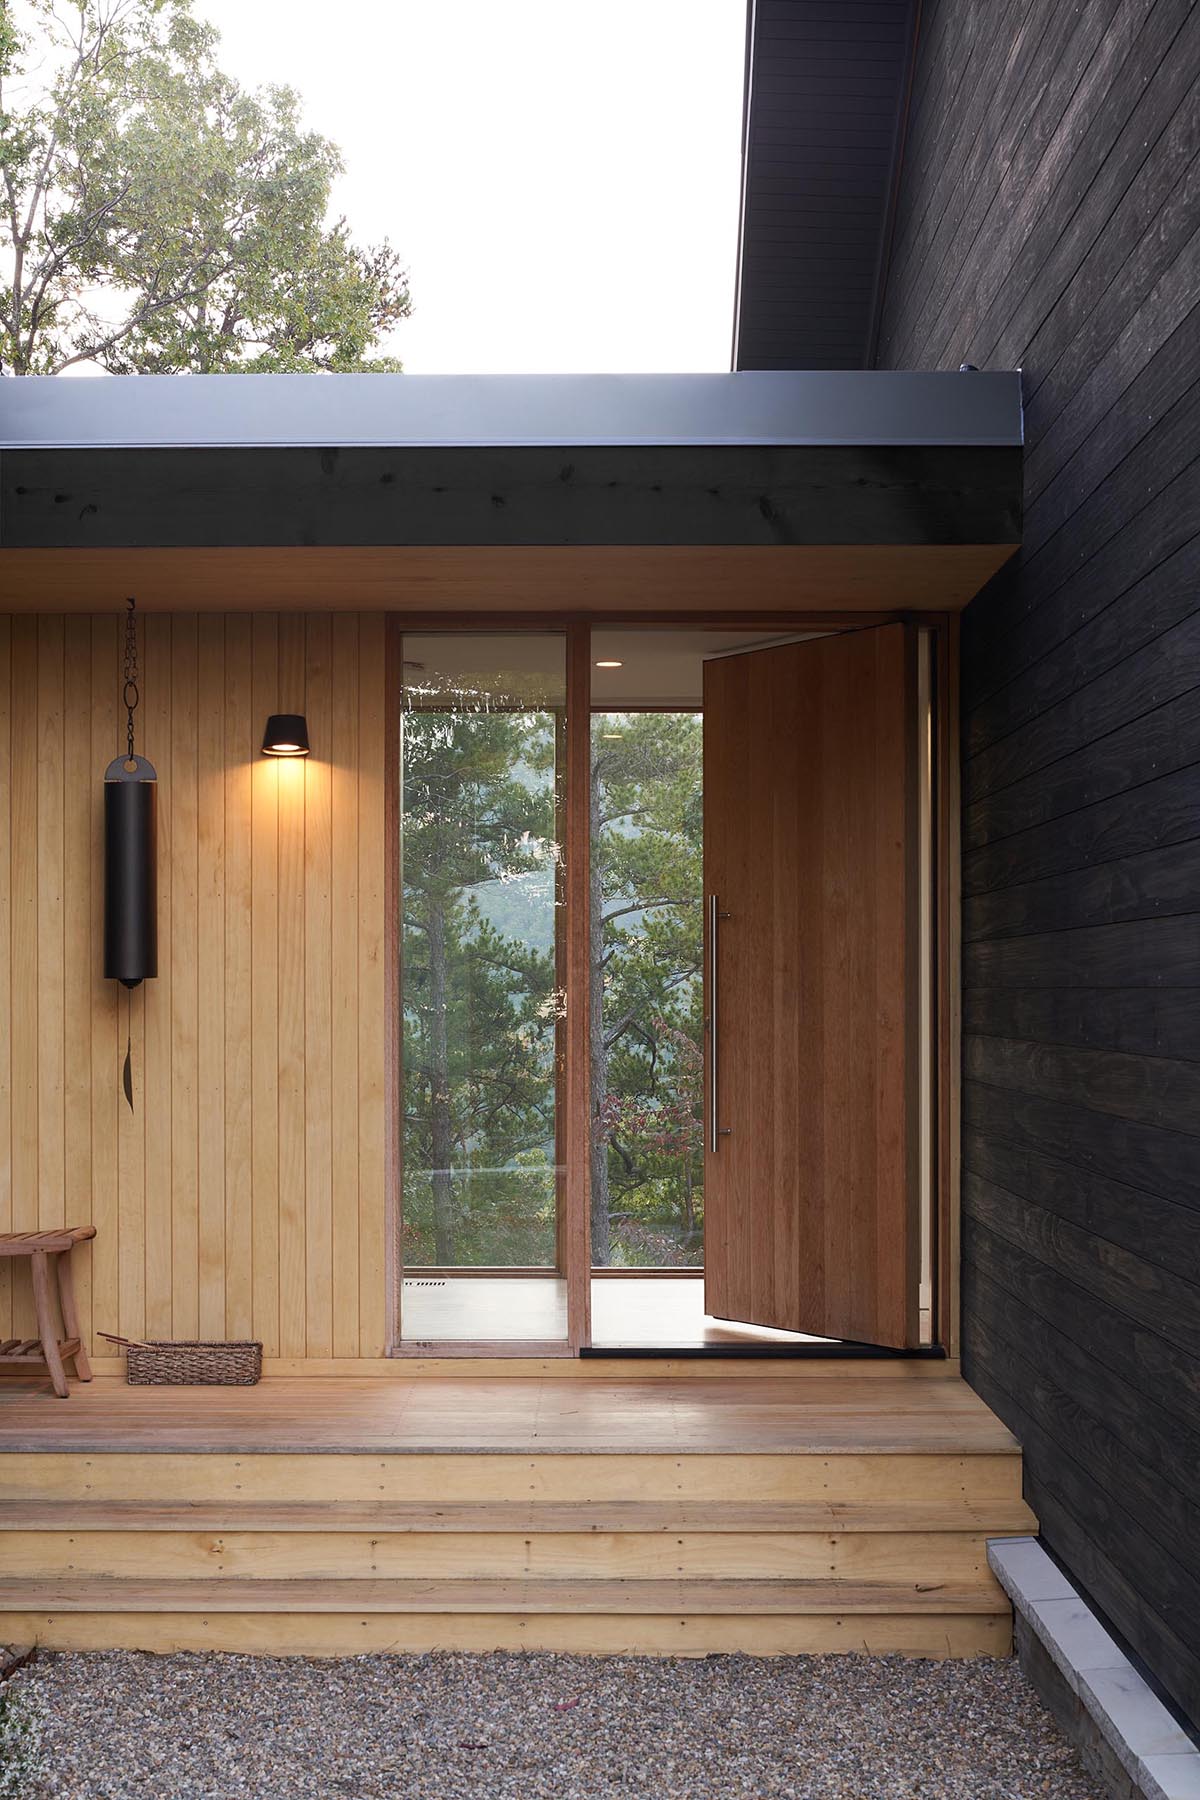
(130, 859)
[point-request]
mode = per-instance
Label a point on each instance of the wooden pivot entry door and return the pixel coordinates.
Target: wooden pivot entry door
(811, 971)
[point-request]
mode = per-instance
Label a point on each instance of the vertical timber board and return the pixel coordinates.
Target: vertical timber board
(374, 1098)
(185, 982)
(79, 789)
(23, 987)
(238, 1072)
(344, 1144)
(210, 971)
(318, 992)
(264, 989)
(152, 1071)
(105, 1049)
(291, 775)
(51, 996)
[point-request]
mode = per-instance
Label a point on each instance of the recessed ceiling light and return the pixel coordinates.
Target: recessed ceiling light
(607, 664)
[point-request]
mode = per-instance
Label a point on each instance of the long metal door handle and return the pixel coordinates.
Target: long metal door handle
(715, 1133)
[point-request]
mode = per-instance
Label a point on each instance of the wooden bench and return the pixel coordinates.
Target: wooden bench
(49, 1254)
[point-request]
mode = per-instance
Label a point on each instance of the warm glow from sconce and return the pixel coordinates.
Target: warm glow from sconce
(610, 665)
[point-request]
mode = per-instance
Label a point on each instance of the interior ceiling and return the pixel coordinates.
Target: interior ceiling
(665, 668)
(826, 94)
(655, 668)
(464, 669)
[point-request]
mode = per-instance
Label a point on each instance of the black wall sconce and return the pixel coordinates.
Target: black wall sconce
(286, 735)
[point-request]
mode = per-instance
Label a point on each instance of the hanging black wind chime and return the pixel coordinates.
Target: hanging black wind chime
(130, 860)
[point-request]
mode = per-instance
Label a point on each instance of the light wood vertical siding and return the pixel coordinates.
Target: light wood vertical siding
(245, 1193)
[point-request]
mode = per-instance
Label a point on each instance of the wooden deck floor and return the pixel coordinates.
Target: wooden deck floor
(730, 1415)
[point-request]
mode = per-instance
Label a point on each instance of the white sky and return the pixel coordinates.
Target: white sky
(560, 176)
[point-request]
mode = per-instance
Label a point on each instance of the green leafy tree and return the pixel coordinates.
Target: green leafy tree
(156, 217)
(646, 947)
(480, 1007)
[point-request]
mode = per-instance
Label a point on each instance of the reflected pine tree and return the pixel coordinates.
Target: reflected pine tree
(479, 1001)
(646, 1024)
(480, 1004)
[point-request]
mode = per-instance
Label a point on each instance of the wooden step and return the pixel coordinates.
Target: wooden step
(905, 1556)
(1001, 1517)
(418, 1478)
(639, 1598)
(323, 1634)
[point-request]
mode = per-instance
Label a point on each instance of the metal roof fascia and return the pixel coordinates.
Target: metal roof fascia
(817, 407)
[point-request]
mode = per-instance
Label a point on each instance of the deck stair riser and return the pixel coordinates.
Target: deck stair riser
(936, 1477)
(922, 1557)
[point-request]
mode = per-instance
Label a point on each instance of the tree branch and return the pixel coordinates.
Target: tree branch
(650, 905)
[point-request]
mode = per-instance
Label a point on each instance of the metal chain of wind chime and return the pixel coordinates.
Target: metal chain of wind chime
(130, 858)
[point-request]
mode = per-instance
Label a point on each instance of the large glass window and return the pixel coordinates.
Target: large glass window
(647, 1058)
(480, 789)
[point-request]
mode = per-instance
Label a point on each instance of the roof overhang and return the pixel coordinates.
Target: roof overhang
(839, 489)
(827, 94)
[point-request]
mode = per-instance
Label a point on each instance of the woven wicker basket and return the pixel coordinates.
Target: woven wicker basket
(161, 1364)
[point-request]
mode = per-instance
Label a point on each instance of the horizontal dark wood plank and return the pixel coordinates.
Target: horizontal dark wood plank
(1120, 1599)
(1142, 373)
(1140, 1021)
(1153, 744)
(1144, 818)
(1104, 1483)
(1144, 66)
(1099, 956)
(1143, 679)
(1150, 1090)
(1148, 1323)
(1141, 1156)
(1113, 506)
(487, 496)
(1020, 625)
(1156, 1231)
(1076, 58)
(1121, 1422)
(1152, 885)
(952, 142)
(1114, 264)
(1106, 1474)
(1134, 411)
(1066, 1497)
(1067, 150)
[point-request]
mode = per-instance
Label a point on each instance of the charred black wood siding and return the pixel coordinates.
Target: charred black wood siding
(1049, 218)
(670, 494)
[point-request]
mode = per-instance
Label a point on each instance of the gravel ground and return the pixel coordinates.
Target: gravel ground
(509, 1727)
